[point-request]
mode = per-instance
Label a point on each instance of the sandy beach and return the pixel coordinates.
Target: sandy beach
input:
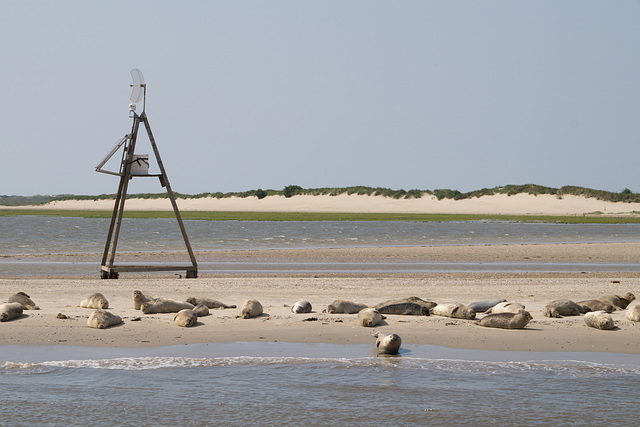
(279, 292)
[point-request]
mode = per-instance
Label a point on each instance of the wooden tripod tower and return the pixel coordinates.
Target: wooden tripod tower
(109, 270)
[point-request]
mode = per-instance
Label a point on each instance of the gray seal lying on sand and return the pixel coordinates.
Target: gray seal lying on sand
(10, 311)
(595, 305)
(201, 310)
(619, 301)
(455, 311)
(139, 298)
(102, 319)
(164, 305)
(209, 302)
(342, 306)
(251, 308)
(369, 317)
(506, 307)
(24, 300)
(562, 307)
(414, 300)
(301, 307)
(506, 320)
(406, 306)
(185, 318)
(633, 313)
(96, 300)
(484, 305)
(599, 320)
(387, 343)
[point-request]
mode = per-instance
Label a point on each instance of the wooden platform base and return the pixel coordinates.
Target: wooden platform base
(107, 272)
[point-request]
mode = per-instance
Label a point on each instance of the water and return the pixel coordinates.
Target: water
(312, 384)
(36, 235)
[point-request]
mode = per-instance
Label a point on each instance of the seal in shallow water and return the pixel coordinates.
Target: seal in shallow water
(484, 305)
(10, 311)
(139, 298)
(369, 317)
(455, 311)
(209, 302)
(185, 318)
(24, 300)
(301, 307)
(96, 300)
(595, 305)
(342, 306)
(164, 305)
(387, 343)
(562, 307)
(251, 308)
(102, 319)
(599, 320)
(505, 320)
(506, 307)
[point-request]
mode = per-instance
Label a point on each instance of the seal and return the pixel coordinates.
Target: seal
(633, 313)
(619, 301)
(96, 300)
(185, 318)
(164, 305)
(387, 343)
(595, 305)
(404, 308)
(413, 300)
(342, 306)
(209, 302)
(562, 307)
(24, 300)
(455, 311)
(484, 305)
(10, 311)
(599, 320)
(369, 317)
(251, 308)
(201, 310)
(139, 298)
(301, 307)
(506, 307)
(506, 320)
(102, 319)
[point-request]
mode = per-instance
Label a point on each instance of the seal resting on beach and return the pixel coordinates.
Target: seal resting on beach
(185, 318)
(633, 313)
(201, 310)
(413, 300)
(595, 305)
(102, 319)
(387, 343)
(96, 300)
(369, 317)
(406, 306)
(506, 307)
(301, 307)
(251, 308)
(455, 311)
(139, 298)
(599, 320)
(562, 307)
(619, 301)
(24, 300)
(164, 305)
(209, 302)
(506, 320)
(10, 311)
(484, 305)
(342, 306)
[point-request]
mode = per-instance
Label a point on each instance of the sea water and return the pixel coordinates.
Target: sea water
(314, 384)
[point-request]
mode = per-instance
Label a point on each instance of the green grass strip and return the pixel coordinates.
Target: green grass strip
(329, 216)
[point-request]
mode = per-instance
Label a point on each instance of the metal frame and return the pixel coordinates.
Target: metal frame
(109, 270)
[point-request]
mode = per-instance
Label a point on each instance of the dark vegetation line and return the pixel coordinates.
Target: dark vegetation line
(625, 195)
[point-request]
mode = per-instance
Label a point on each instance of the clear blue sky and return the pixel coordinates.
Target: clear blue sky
(262, 94)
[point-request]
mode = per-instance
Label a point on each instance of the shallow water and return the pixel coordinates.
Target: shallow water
(35, 235)
(315, 384)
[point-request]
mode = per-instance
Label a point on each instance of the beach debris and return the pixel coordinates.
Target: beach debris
(102, 319)
(96, 300)
(301, 307)
(10, 311)
(341, 306)
(562, 307)
(310, 319)
(506, 320)
(136, 319)
(24, 300)
(455, 311)
(62, 316)
(387, 343)
(599, 320)
(369, 317)
(209, 302)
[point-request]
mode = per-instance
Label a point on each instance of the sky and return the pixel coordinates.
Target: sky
(244, 95)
